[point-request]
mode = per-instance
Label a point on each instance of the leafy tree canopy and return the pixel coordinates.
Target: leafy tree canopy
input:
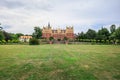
(117, 33)
(91, 34)
(37, 33)
(1, 36)
(104, 33)
(112, 28)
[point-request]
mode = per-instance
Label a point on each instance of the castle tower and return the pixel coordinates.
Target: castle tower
(69, 32)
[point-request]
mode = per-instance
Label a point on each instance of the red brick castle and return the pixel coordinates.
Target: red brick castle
(57, 33)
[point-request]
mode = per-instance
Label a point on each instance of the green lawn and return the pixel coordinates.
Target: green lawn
(60, 62)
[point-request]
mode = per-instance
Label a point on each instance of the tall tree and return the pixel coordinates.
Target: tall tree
(1, 27)
(117, 33)
(112, 28)
(13, 36)
(7, 36)
(81, 36)
(112, 37)
(37, 32)
(112, 33)
(103, 34)
(19, 34)
(91, 34)
(1, 36)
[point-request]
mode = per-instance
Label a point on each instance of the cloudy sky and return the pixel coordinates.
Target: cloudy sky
(20, 16)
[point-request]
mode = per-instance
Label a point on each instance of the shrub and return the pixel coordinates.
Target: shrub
(3, 41)
(51, 38)
(9, 41)
(0, 42)
(34, 41)
(65, 38)
(15, 41)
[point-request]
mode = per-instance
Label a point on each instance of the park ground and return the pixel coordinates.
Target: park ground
(60, 62)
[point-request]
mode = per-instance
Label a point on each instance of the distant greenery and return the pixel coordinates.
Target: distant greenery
(6, 37)
(65, 39)
(9, 37)
(2, 37)
(51, 38)
(60, 62)
(37, 32)
(34, 41)
(102, 36)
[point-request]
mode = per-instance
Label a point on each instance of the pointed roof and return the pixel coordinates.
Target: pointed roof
(48, 24)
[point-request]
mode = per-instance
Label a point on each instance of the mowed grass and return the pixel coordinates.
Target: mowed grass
(60, 62)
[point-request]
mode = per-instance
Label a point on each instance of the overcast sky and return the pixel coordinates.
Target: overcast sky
(20, 16)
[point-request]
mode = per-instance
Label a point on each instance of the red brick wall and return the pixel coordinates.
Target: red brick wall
(46, 35)
(58, 36)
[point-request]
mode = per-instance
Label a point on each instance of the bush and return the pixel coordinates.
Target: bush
(3, 41)
(51, 38)
(15, 41)
(34, 41)
(0, 42)
(65, 38)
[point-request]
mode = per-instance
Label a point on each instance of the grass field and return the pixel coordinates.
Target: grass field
(60, 62)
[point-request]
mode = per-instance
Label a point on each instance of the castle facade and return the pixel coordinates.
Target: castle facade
(48, 32)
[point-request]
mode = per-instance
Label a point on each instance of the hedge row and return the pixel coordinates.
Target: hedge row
(9, 41)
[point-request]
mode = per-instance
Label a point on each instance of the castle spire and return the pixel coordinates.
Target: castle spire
(48, 24)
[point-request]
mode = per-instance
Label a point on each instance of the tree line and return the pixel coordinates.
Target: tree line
(6, 37)
(103, 35)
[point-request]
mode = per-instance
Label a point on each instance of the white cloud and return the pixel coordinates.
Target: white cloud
(22, 16)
